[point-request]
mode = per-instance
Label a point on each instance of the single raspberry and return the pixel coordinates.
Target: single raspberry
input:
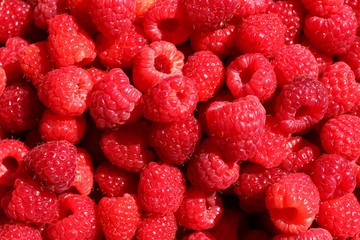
(261, 33)
(199, 210)
(20, 108)
(228, 226)
(19, 231)
(153, 180)
(15, 20)
(199, 235)
(29, 202)
(301, 103)
(64, 90)
(342, 88)
(293, 203)
(199, 16)
(12, 153)
(208, 170)
(78, 219)
(154, 63)
(52, 164)
(153, 227)
(252, 7)
(165, 20)
(114, 101)
(251, 74)
(311, 233)
(237, 126)
(252, 185)
(334, 33)
(120, 52)
(80, 9)
(115, 182)
(172, 99)
(119, 217)
(46, 10)
(84, 172)
(340, 216)
(3, 80)
(127, 147)
(351, 57)
(293, 61)
(175, 142)
(69, 44)
(322, 7)
(339, 136)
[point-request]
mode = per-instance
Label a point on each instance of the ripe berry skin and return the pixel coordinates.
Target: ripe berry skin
(199, 235)
(311, 233)
(154, 227)
(19, 231)
(84, 173)
(351, 57)
(321, 7)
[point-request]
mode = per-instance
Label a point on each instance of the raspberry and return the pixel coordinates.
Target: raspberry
(119, 217)
(78, 219)
(153, 180)
(208, 170)
(311, 233)
(199, 235)
(46, 10)
(322, 7)
(236, 126)
(52, 164)
(156, 62)
(251, 74)
(127, 147)
(199, 16)
(142, 6)
(114, 182)
(114, 101)
(64, 90)
(96, 74)
(293, 61)
(340, 216)
(15, 20)
(69, 44)
(323, 60)
(339, 136)
(84, 172)
(19, 231)
(252, 7)
(199, 210)
(12, 153)
(120, 52)
(27, 201)
(228, 225)
(334, 33)
(261, 33)
(165, 20)
(172, 99)
(3, 80)
(157, 227)
(293, 203)
(175, 142)
(80, 9)
(301, 103)
(351, 57)
(20, 108)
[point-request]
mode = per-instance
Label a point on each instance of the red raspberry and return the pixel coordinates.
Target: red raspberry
(199, 235)
(153, 227)
(252, 185)
(3, 80)
(12, 153)
(323, 60)
(293, 61)
(84, 172)
(96, 74)
(199, 210)
(112, 17)
(120, 52)
(15, 20)
(27, 201)
(153, 180)
(65, 90)
(69, 44)
(352, 56)
(202, 18)
(342, 88)
(154, 63)
(119, 217)
(78, 219)
(301, 103)
(251, 74)
(340, 216)
(236, 127)
(46, 10)
(208, 170)
(229, 224)
(142, 6)
(114, 101)
(165, 20)
(293, 203)
(80, 9)
(19, 231)
(52, 164)
(175, 142)
(20, 108)
(127, 147)
(172, 99)
(252, 7)
(261, 33)
(340, 134)
(114, 182)
(311, 233)
(334, 33)
(321, 7)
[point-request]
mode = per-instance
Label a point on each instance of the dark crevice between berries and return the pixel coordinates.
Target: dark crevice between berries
(168, 25)
(10, 163)
(163, 64)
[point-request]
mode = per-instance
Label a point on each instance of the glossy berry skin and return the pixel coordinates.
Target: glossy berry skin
(19, 231)
(351, 57)
(321, 7)
(248, 8)
(153, 227)
(311, 233)
(46, 10)
(199, 235)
